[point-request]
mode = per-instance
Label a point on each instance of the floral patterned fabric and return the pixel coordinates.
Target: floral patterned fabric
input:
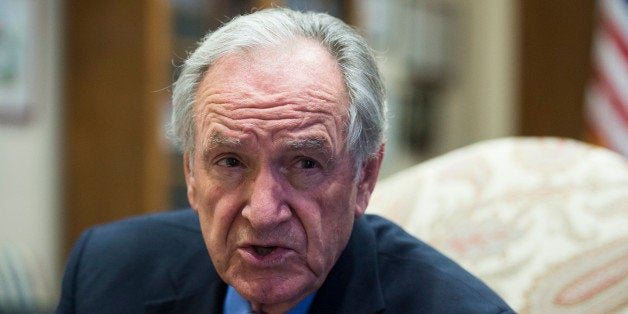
(543, 221)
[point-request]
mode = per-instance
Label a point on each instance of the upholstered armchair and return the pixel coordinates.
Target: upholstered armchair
(543, 221)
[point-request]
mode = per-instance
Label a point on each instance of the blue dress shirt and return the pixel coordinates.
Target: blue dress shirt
(236, 304)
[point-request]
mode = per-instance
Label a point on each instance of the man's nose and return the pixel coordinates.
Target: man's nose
(266, 207)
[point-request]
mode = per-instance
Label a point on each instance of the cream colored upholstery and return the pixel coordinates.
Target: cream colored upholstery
(24, 288)
(543, 221)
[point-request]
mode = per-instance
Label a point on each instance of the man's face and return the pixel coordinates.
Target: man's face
(271, 178)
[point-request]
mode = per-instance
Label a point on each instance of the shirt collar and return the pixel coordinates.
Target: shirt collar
(236, 304)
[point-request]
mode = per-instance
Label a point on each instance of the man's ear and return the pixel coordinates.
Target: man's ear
(190, 181)
(368, 178)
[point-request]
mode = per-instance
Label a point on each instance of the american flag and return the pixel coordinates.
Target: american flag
(607, 96)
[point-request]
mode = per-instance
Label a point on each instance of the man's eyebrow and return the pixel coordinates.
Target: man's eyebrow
(218, 139)
(308, 144)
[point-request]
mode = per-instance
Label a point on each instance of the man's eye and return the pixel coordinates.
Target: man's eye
(307, 163)
(229, 162)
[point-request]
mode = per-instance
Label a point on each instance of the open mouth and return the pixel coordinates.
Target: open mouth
(263, 250)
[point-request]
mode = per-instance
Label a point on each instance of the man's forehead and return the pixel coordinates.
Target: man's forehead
(293, 57)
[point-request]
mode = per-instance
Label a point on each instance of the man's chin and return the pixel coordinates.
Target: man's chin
(277, 294)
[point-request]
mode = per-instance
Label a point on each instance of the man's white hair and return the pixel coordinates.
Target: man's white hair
(280, 26)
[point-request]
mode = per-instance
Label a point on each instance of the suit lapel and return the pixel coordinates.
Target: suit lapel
(353, 284)
(209, 300)
(196, 286)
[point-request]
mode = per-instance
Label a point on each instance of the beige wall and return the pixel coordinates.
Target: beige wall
(30, 162)
(477, 98)
(481, 100)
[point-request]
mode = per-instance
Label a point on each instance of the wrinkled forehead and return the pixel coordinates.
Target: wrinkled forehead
(294, 81)
(303, 67)
(296, 61)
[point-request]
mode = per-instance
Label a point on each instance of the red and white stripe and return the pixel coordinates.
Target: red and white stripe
(607, 96)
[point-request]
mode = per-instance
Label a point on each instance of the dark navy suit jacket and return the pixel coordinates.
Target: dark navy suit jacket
(159, 264)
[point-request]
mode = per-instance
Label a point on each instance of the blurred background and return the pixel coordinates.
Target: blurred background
(85, 97)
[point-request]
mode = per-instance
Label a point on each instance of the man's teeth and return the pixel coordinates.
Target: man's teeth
(263, 250)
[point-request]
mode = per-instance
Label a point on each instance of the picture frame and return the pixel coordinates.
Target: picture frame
(17, 60)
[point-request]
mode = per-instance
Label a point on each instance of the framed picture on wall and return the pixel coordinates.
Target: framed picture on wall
(17, 60)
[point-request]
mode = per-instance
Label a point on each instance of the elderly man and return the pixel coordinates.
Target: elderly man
(280, 115)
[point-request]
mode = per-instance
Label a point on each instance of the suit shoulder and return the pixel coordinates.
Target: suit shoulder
(120, 260)
(184, 219)
(143, 236)
(421, 278)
